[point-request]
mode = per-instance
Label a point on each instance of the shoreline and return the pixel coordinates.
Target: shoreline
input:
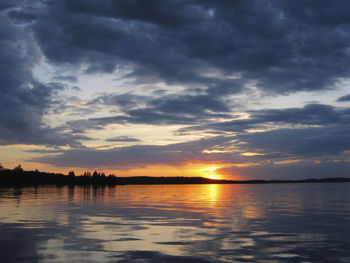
(20, 177)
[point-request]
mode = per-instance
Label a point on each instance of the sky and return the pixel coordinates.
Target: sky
(220, 89)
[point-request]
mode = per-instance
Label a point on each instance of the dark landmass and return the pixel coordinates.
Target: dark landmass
(18, 176)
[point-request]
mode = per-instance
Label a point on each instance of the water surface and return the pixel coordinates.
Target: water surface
(176, 223)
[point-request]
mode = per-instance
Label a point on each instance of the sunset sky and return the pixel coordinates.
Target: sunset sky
(221, 89)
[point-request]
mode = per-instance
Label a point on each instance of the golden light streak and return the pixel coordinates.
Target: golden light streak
(252, 154)
(243, 164)
(287, 162)
(214, 151)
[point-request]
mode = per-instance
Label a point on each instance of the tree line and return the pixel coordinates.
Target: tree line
(19, 176)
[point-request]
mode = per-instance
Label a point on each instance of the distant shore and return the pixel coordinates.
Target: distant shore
(18, 176)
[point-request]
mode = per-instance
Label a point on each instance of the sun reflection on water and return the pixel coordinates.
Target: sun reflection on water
(213, 191)
(172, 223)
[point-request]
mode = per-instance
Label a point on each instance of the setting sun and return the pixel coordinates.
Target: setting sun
(210, 172)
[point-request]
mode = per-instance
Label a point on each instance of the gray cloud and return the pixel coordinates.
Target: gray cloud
(325, 131)
(24, 100)
(298, 170)
(122, 139)
(125, 101)
(311, 114)
(72, 79)
(177, 41)
(135, 156)
(167, 109)
(299, 142)
(344, 98)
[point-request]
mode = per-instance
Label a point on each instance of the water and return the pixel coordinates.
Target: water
(176, 223)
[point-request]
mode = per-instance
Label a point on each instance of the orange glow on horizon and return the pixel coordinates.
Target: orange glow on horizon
(210, 172)
(206, 170)
(188, 170)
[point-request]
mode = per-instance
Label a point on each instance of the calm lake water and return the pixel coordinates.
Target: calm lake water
(176, 223)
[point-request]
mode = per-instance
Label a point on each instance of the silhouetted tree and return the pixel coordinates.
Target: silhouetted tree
(87, 174)
(18, 169)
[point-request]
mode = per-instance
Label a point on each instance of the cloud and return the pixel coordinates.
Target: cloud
(122, 139)
(344, 98)
(189, 104)
(178, 41)
(24, 100)
(135, 156)
(313, 130)
(164, 110)
(278, 150)
(306, 142)
(298, 170)
(124, 101)
(72, 79)
(310, 114)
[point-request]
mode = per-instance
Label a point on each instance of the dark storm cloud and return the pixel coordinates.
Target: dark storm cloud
(310, 114)
(72, 79)
(138, 116)
(221, 47)
(325, 131)
(125, 101)
(307, 142)
(153, 11)
(6, 4)
(147, 115)
(344, 98)
(185, 103)
(24, 100)
(164, 110)
(283, 46)
(189, 104)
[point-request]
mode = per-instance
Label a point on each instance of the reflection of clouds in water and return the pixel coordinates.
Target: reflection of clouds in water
(253, 212)
(165, 235)
(151, 256)
(18, 243)
(208, 223)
